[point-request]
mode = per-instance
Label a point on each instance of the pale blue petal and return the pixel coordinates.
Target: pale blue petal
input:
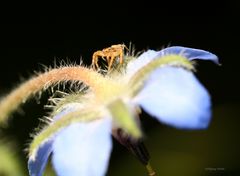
(175, 97)
(83, 149)
(37, 163)
(189, 53)
(136, 64)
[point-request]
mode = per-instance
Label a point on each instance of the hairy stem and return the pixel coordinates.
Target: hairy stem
(76, 73)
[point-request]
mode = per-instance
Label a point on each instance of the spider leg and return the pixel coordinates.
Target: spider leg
(95, 61)
(110, 62)
(121, 57)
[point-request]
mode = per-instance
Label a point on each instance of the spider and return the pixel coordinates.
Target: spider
(110, 53)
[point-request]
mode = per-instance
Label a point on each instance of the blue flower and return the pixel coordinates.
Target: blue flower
(79, 149)
(175, 97)
(172, 95)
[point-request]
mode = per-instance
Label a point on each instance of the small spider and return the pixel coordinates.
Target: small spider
(110, 53)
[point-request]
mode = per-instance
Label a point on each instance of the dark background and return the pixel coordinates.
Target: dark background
(38, 36)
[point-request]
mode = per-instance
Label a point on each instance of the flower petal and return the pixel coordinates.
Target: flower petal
(175, 97)
(136, 64)
(83, 149)
(37, 162)
(190, 53)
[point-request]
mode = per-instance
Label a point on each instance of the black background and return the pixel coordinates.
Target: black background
(38, 35)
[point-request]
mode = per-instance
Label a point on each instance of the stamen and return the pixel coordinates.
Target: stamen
(150, 170)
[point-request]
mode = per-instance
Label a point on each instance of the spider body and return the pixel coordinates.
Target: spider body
(110, 53)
